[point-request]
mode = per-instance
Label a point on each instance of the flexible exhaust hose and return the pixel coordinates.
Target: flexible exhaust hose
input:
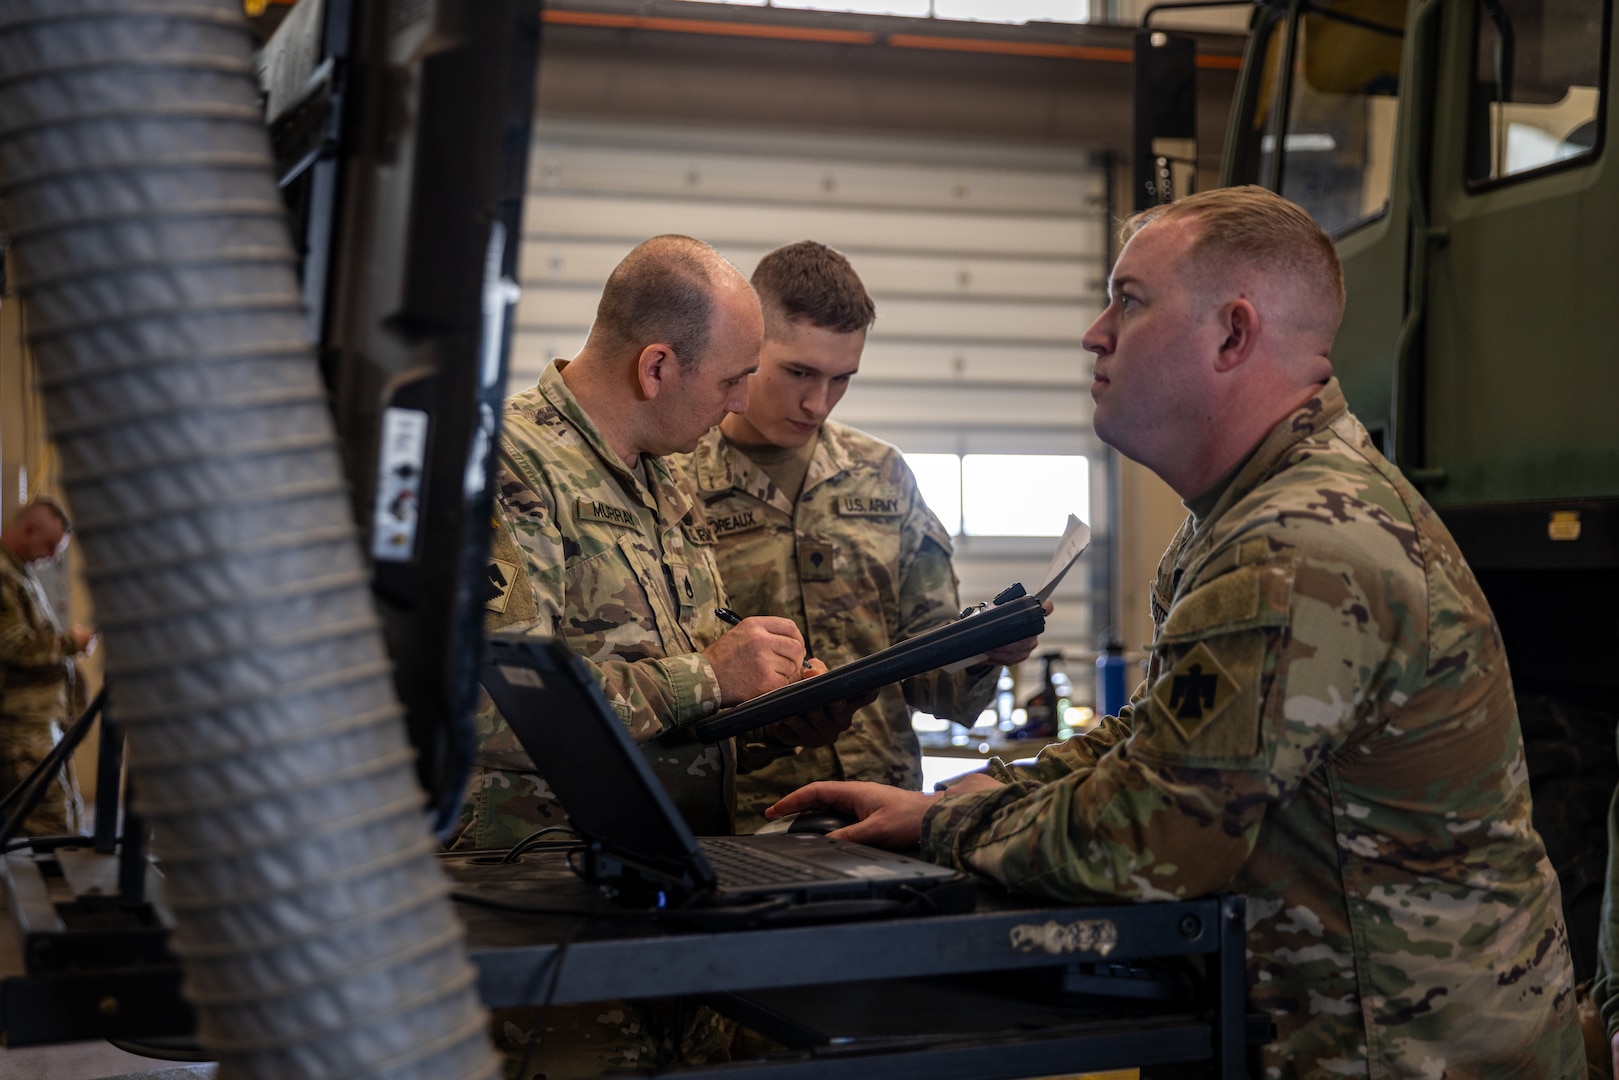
(266, 746)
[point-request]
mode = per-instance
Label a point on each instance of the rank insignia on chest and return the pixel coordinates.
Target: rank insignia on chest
(596, 510)
(874, 504)
(1195, 691)
(816, 561)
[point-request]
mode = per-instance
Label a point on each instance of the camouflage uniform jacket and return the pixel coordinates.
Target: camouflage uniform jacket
(620, 568)
(858, 562)
(36, 656)
(1327, 726)
(38, 692)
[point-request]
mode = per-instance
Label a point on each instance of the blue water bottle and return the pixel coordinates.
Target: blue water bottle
(1110, 683)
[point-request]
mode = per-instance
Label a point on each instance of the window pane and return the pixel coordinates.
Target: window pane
(1002, 11)
(938, 476)
(1339, 145)
(1536, 85)
(1023, 494)
(1014, 11)
(915, 8)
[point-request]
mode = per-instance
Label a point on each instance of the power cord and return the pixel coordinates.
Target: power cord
(531, 842)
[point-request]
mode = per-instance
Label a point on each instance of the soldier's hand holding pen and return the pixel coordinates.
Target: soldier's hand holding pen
(731, 618)
(819, 727)
(757, 655)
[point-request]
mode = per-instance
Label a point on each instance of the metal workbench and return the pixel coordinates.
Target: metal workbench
(1012, 989)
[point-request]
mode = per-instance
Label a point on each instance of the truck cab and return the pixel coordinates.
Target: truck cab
(1459, 153)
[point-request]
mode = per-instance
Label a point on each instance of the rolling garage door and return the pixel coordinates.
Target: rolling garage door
(986, 263)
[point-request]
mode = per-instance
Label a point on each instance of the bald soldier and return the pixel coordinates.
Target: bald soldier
(824, 524)
(1327, 725)
(36, 666)
(603, 546)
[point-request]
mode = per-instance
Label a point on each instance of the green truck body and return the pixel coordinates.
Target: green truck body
(1462, 154)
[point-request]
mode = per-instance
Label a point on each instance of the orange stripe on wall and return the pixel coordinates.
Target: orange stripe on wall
(707, 26)
(1009, 48)
(937, 42)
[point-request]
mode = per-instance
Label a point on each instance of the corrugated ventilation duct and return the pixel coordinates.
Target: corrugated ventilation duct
(266, 745)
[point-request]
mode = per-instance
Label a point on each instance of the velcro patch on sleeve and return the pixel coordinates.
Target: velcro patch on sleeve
(596, 510)
(1241, 599)
(935, 531)
(1195, 691)
(508, 595)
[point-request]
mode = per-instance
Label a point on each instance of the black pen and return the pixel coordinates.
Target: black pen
(731, 618)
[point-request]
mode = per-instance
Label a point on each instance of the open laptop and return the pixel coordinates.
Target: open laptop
(637, 842)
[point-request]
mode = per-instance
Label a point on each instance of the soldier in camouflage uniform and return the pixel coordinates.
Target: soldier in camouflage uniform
(36, 667)
(1327, 724)
(823, 524)
(600, 544)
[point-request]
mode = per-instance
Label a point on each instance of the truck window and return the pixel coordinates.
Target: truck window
(1535, 99)
(1337, 142)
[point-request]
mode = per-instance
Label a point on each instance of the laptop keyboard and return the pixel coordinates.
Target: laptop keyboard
(743, 866)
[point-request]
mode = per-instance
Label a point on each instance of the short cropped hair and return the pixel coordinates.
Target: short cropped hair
(811, 283)
(50, 505)
(1251, 226)
(663, 292)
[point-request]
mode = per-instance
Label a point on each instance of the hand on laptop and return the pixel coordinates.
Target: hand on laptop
(756, 656)
(890, 817)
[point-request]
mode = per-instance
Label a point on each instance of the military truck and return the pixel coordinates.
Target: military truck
(1457, 152)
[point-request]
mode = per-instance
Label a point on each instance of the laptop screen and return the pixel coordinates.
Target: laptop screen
(614, 801)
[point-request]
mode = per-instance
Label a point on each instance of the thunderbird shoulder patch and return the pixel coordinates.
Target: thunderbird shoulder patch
(1196, 690)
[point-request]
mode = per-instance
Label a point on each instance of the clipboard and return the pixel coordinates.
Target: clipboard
(971, 635)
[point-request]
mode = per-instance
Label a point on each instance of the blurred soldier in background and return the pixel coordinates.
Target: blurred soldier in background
(38, 688)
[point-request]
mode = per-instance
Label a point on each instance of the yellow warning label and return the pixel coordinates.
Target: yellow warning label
(1564, 525)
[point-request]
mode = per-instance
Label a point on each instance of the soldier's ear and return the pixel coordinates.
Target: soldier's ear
(654, 368)
(1239, 324)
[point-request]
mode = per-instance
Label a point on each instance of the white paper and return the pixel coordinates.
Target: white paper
(1076, 537)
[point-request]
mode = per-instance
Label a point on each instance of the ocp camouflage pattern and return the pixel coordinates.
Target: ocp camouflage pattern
(858, 562)
(36, 682)
(618, 565)
(1328, 727)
